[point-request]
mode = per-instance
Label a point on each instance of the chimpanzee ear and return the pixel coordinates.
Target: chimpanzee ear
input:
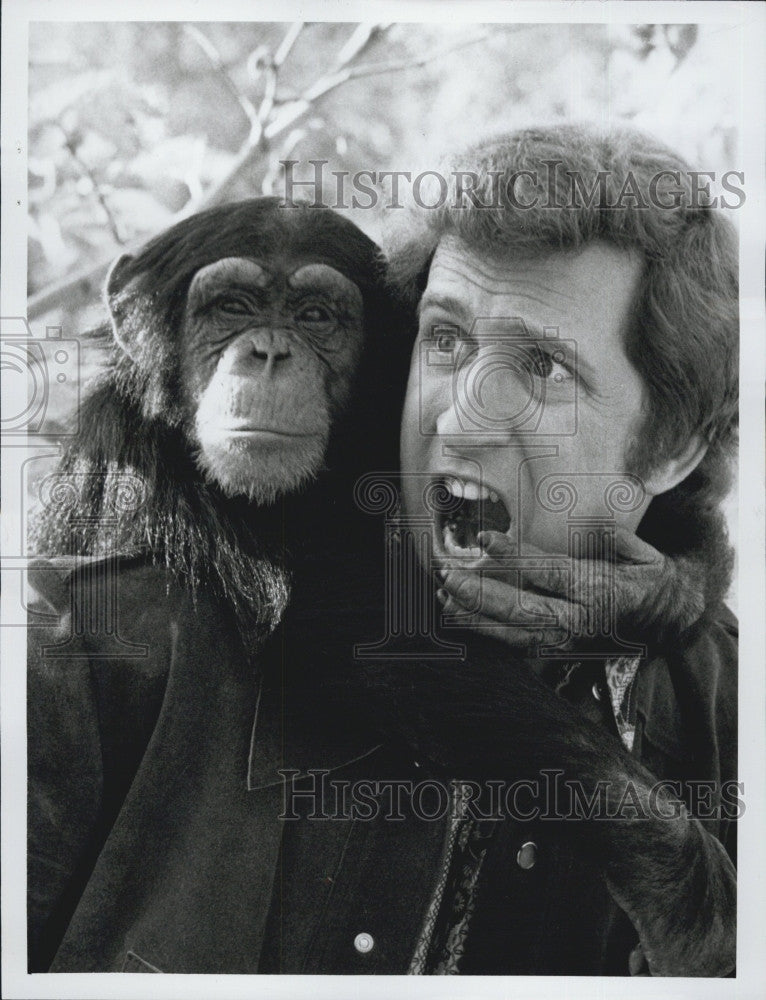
(117, 278)
(119, 301)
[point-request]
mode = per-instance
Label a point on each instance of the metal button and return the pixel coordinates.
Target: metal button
(527, 855)
(596, 691)
(364, 943)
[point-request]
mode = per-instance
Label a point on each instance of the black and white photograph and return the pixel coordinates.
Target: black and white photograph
(383, 499)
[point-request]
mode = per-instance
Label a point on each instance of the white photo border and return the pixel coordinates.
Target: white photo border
(749, 19)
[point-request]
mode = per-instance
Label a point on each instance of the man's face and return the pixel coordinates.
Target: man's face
(519, 380)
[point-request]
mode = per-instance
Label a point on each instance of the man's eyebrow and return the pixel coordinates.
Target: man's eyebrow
(449, 304)
(516, 324)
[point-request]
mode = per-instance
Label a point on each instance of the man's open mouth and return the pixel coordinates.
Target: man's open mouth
(475, 508)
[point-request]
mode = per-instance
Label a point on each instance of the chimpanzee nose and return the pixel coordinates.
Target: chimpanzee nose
(270, 347)
(254, 351)
(272, 353)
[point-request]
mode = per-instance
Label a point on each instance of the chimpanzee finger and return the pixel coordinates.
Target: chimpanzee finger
(504, 552)
(628, 546)
(558, 576)
(632, 549)
(495, 543)
(541, 572)
(501, 554)
(503, 602)
(452, 609)
(522, 638)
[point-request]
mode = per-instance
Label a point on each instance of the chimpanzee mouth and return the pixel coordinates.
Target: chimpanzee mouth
(266, 433)
(475, 508)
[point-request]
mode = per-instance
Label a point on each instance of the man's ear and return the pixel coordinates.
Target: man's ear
(673, 471)
(119, 300)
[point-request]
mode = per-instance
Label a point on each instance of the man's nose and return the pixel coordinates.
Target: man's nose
(449, 423)
(493, 393)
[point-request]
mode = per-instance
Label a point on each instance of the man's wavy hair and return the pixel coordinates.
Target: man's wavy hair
(684, 335)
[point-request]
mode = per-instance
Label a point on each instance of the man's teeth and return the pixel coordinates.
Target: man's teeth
(477, 508)
(467, 490)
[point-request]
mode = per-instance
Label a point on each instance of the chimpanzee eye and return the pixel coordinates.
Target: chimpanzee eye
(315, 316)
(233, 304)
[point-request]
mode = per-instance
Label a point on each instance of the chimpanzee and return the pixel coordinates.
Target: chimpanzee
(257, 370)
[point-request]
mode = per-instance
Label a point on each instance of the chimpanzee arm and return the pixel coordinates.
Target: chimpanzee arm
(678, 886)
(486, 718)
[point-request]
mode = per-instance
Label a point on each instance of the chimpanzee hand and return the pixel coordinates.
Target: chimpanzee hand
(653, 595)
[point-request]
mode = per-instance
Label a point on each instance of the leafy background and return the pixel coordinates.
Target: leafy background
(133, 125)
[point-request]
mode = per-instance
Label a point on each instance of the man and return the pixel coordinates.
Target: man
(281, 823)
(578, 333)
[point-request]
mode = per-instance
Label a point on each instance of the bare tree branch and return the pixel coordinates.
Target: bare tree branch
(284, 151)
(272, 79)
(372, 69)
(71, 145)
(331, 81)
(261, 136)
(82, 286)
(87, 282)
(287, 43)
(214, 56)
(360, 39)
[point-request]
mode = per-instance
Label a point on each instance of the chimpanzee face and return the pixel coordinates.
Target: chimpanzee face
(267, 358)
(264, 355)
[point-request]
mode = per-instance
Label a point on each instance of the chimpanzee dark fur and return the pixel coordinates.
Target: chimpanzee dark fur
(132, 422)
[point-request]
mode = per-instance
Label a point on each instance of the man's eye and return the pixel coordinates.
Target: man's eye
(446, 338)
(550, 367)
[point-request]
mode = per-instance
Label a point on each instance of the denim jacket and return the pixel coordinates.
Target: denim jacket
(183, 812)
